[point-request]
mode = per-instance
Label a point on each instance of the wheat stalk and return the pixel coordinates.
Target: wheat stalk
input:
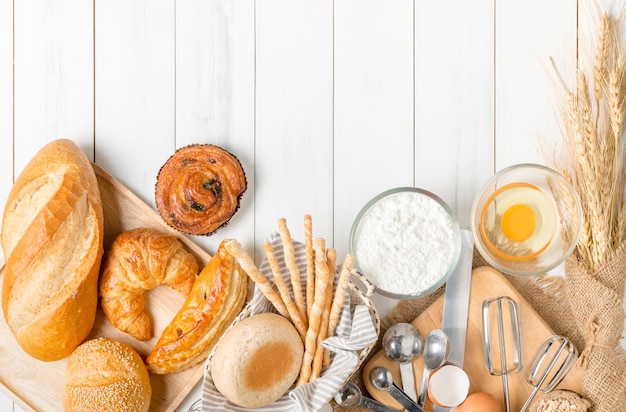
(602, 53)
(593, 114)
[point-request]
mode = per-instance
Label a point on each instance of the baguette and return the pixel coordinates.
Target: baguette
(52, 233)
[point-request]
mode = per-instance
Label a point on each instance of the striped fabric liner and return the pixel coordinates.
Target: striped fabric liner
(354, 332)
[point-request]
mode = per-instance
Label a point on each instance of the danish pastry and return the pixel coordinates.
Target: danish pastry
(199, 189)
(216, 299)
(140, 260)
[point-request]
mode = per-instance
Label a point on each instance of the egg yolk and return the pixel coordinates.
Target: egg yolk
(519, 222)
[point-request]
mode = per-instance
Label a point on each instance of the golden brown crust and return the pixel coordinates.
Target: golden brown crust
(217, 297)
(235, 249)
(322, 278)
(52, 233)
(106, 375)
(280, 283)
(199, 188)
(139, 260)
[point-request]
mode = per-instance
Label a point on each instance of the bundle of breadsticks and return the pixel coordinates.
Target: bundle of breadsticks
(315, 307)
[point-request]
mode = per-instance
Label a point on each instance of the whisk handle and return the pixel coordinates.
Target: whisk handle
(505, 389)
(530, 399)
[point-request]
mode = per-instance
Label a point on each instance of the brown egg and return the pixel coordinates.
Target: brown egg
(479, 402)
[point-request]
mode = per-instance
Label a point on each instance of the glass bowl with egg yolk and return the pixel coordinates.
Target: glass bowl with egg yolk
(526, 220)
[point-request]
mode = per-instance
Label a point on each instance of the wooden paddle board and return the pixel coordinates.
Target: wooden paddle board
(38, 386)
(486, 283)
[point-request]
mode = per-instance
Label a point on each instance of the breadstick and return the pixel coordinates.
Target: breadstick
(340, 293)
(247, 264)
(322, 275)
(283, 290)
(290, 261)
(322, 355)
(310, 264)
(331, 261)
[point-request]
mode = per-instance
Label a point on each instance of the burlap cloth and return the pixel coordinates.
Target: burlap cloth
(585, 307)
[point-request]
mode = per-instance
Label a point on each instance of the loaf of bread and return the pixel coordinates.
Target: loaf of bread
(258, 360)
(139, 260)
(215, 300)
(52, 231)
(106, 375)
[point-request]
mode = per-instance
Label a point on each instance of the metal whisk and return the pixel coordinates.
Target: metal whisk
(509, 341)
(547, 372)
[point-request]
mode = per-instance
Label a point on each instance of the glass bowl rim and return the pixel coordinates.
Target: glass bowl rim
(474, 221)
(457, 240)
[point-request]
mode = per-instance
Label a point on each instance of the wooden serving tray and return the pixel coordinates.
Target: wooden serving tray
(486, 283)
(38, 386)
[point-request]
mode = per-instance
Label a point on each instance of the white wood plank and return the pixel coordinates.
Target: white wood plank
(527, 116)
(6, 103)
(373, 105)
(613, 7)
(215, 93)
(373, 109)
(294, 114)
(135, 88)
(454, 135)
(527, 35)
(6, 404)
(53, 76)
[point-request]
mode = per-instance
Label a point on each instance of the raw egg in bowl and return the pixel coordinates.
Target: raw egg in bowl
(526, 219)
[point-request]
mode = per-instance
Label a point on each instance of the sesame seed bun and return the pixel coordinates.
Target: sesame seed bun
(106, 375)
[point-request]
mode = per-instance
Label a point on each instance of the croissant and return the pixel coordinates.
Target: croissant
(140, 260)
(199, 188)
(217, 297)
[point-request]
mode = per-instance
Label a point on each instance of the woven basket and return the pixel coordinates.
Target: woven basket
(357, 297)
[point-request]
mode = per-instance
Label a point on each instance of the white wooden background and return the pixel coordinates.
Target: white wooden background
(325, 102)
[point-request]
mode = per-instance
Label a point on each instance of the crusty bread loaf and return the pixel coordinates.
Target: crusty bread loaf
(139, 260)
(257, 360)
(52, 231)
(106, 375)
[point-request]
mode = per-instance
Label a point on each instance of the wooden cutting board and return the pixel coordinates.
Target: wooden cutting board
(486, 283)
(38, 386)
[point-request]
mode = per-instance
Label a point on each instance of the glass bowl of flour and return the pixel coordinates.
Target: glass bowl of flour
(406, 241)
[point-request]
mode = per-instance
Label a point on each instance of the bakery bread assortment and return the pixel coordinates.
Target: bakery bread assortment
(257, 360)
(52, 234)
(199, 188)
(55, 275)
(139, 260)
(106, 375)
(217, 297)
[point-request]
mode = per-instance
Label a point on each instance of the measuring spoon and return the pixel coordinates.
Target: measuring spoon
(402, 343)
(381, 379)
(350, 396)
(436, 350)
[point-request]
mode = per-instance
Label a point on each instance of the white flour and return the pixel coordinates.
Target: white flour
(405, 243)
